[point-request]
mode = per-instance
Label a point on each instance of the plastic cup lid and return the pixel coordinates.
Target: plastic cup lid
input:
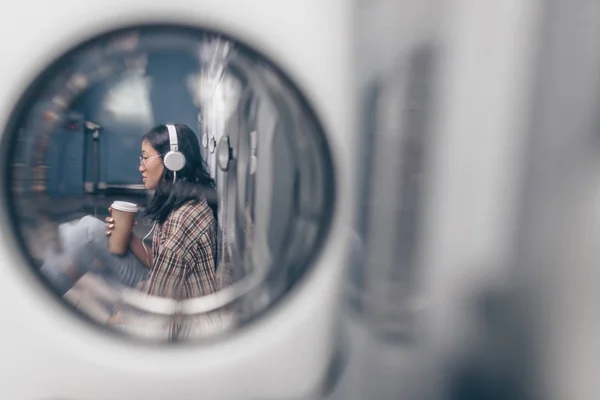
(124, 206)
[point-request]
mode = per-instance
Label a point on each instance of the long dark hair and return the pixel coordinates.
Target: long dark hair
(192, 182)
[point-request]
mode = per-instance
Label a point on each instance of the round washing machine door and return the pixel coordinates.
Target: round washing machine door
(135, 76)
(72, 147)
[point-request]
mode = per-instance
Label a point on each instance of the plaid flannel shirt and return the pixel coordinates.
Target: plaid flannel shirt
(184, 250)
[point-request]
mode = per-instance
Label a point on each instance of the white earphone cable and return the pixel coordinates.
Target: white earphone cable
(144, 244)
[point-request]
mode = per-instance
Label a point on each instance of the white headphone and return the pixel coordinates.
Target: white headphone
(173, 160)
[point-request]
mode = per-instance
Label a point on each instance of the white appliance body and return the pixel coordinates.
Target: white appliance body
(45, 352)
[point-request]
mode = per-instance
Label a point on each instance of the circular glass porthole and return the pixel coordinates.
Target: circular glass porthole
(214, 245)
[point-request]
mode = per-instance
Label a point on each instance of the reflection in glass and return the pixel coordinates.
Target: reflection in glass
(129, 100)
(75, 143)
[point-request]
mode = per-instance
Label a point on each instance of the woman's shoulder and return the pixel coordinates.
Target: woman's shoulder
(193, 214)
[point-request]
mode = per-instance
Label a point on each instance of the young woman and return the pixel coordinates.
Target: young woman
(182, 261)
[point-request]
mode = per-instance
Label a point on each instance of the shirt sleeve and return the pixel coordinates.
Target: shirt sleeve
(169, 268)
(166, 277)
(178, 272)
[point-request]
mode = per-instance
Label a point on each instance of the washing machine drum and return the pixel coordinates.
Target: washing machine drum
(72, 146)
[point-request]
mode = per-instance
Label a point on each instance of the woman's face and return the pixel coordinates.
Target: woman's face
(151, 166)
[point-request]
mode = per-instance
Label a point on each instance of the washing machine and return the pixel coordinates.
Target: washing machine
(291, 123)
(442, 155)
(490, 173)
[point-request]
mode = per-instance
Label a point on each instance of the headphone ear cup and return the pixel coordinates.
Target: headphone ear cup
(174, 161)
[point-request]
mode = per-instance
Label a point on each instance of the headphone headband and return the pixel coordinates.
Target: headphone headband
(173, 160)
(172, 137)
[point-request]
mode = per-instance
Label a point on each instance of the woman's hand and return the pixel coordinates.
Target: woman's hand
(110, 223)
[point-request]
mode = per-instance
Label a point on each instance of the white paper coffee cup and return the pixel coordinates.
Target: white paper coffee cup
(123, 214)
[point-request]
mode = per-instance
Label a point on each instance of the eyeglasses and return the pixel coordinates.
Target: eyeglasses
(144, 159)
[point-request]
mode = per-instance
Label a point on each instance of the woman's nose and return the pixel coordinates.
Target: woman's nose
(141, 168)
